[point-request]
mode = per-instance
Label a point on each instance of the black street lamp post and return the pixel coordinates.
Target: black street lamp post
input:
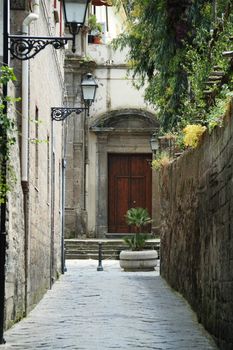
(25, 47)
(154, 143)
(88, 87)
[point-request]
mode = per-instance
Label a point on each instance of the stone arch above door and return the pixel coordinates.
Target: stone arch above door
(126, 119)
(122, 131)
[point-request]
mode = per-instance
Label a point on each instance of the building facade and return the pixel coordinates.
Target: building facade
(34, 205)
(108, 153)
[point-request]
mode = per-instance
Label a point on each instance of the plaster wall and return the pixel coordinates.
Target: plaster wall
(115, 83)
(91, 188)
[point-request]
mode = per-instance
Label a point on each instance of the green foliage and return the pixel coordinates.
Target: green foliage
(7, 138)
(217, 111)
(173, 48)
(137, 217)
(136, 242)
(161, 160)
(95, 27)
(6, 75)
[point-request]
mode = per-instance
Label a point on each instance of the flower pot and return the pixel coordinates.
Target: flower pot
(144, 260)
(97, 40)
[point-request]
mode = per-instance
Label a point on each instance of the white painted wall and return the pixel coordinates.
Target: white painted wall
(116, 88)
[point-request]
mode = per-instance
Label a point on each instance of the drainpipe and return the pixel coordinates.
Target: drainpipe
(33, 16)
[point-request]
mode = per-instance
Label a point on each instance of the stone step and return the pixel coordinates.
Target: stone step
(111, 248)
(122, 235)
(80, 256)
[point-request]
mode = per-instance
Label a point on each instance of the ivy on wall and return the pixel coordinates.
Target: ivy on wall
(7, 138)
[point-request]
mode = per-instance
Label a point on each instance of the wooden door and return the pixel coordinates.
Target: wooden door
(129, 185)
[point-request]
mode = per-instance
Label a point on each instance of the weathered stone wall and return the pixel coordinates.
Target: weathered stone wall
(197, 230)
(33, 256)
(15, 257)
(45, 154)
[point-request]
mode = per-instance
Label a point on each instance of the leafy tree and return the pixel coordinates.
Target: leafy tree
(173, 47)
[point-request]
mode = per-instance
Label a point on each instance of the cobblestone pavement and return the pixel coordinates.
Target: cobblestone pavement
(90, 310)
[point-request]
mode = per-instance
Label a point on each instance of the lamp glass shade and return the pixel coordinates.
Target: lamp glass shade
(88, 87)
(75, 11)
(154, 143)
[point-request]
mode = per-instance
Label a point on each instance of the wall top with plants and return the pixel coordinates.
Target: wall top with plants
(185, 41)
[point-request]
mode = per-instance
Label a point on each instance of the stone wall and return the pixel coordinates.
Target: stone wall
(197, 230)
(15, 257)
(45, 157)
(33, 256)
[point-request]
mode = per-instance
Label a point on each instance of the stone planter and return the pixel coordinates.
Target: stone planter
(144, 260)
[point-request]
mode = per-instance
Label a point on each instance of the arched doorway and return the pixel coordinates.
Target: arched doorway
(122, 168)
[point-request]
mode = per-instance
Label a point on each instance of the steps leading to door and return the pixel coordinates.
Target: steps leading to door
(111, 248)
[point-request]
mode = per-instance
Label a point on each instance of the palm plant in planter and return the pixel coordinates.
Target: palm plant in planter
(137, 217)
(138, 259)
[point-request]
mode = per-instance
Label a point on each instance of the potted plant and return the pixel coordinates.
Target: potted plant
(137, 258)
(95, 30)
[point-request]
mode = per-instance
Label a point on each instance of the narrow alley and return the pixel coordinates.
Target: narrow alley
(110, 309)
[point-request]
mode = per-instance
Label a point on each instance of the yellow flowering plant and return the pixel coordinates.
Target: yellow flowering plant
(161, 160)
(192, 134)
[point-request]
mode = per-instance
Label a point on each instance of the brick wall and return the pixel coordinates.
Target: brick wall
(197, 230)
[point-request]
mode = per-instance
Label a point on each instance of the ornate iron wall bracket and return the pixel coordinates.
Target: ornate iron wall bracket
(25, 47)
(61, 113)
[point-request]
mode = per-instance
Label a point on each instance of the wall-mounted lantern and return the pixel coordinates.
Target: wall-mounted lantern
(75, 14)
(88, 87)
(24, 47)
(154, 143)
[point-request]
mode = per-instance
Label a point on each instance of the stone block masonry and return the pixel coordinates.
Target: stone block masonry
(112, 309)
(33, 225)
(196, 193)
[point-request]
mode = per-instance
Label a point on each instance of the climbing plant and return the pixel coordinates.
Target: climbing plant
(173, 47)
(7, 138)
